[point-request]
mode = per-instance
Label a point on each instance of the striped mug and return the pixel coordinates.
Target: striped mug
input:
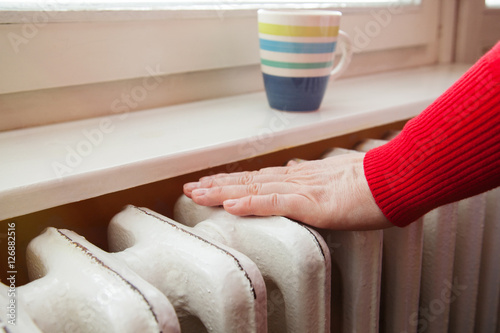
(297, 50)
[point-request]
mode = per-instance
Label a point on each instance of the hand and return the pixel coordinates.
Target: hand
(331, 193)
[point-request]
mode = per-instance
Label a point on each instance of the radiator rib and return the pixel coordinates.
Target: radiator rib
(466, 265)
(401, 270)
(488, 307)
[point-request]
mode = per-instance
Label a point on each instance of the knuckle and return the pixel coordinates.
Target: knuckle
(247, 178)
(211, 182)
(249, 202)
(274, 200)
(254, 189)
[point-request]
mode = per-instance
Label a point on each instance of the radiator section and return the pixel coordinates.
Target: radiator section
(488, 307)
(292, 257)
(78, 287)
(401, 268)
(205, 279)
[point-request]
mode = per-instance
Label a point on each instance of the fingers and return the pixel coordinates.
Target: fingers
(295, 169)
(275, 174)
(289, 205)
(217, 195)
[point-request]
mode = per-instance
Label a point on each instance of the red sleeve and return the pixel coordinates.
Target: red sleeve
(449, 152)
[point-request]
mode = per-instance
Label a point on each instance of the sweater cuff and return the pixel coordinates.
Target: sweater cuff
(448, 152)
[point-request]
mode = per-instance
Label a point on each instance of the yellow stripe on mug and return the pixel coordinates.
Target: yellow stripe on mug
(298, 31)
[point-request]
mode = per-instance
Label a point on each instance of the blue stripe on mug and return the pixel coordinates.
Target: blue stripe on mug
(289, 47)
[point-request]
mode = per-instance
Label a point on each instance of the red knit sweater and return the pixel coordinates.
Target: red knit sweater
(449, 152)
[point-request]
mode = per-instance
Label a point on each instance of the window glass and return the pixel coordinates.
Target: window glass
(493, 3)
(200, 4)
(49, 45)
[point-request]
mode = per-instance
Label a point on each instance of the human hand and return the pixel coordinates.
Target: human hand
(331, 193)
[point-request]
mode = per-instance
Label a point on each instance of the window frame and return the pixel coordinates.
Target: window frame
(478, 29)
(59, 49)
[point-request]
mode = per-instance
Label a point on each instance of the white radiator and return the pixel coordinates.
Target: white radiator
(208, 271)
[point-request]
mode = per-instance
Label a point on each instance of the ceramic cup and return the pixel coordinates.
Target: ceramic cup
(297, 50)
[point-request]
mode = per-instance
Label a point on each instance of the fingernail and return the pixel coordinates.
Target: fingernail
(294, 161)
(199, 192)
(230, 203)
(191, 186)
(206, 178)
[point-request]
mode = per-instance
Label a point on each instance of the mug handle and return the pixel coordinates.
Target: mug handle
(345, 60)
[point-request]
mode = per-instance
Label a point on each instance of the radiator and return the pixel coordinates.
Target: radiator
(208, 271)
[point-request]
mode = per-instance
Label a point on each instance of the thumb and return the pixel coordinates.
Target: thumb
(266, 205)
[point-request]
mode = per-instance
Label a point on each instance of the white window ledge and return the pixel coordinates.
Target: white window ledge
(52, 165)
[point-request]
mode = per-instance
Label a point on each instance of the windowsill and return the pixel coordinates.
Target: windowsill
(133, 149)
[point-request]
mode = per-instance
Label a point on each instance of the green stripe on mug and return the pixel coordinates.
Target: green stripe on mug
(296, 65)
(298, 30)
